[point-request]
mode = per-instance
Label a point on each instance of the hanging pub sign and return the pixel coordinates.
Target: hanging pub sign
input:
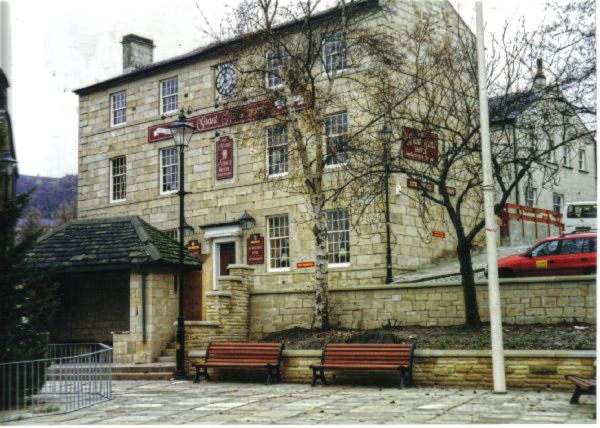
(419, 147)
(451, 190)
(414, 184)
(304, 265)
(193, 247)
(224, 155)
(233, 116)
(255, 249)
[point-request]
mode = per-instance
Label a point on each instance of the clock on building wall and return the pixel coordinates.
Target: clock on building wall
(225, 81)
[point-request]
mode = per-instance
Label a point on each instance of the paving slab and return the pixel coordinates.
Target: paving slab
(215, 403)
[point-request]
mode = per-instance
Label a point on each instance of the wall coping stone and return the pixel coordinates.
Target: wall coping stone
(446, 353)
(230, 278)
(218, 293)
(241, 266)
(505, 281)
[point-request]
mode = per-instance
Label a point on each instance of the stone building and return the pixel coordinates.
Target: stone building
(570, 170)
(9, 172)
(128, 166)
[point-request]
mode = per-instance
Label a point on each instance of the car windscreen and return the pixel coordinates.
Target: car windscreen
(581, 211)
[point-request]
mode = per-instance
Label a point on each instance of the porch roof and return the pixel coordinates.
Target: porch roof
(108, 243)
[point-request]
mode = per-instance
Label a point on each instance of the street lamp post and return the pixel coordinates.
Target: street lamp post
(385, 137)
(182, 132)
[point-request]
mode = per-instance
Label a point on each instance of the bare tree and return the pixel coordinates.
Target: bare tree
(434, 138)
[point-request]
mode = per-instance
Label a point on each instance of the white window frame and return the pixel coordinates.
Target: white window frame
(561, 204)
(165, 84)
(271, 136)
(162, 167)
(551, 155)
(122, 107)
(333, 41)
(113, 177)
(327, 133)
(173, 234)
(270, 238)
(342, 216)
(582, 159)
(274, 63)
(530, 191)
(567, 156)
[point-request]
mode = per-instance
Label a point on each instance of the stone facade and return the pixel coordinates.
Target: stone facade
(526, 301)
(141, 344)
(218, 201)
(466, 369)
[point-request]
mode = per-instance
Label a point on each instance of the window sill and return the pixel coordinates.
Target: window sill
(584, 171)
(119, 125)
(336, 165)
(567, 166)
(338, 265)
(276, 176)
(174, 192)
(170, 113)
(278, 270)
(117, 201)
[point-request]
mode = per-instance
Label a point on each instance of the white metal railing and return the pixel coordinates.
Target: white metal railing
(71, 377)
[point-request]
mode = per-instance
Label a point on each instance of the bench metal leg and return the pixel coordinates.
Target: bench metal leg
(198, 375)
(268, 375)
(314, 378)
(402, 380)
(278, 375)
(576, 395)
(323, 377)
(206, 374)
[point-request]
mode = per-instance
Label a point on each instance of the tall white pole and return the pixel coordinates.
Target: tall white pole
(490, 218)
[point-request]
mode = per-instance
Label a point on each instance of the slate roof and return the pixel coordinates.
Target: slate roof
(510, 106)
(207, 51)
(108, 243)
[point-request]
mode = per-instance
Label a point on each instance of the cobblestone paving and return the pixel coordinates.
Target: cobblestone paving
(182, 402)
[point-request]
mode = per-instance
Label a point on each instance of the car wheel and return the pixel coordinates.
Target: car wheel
(506, 273)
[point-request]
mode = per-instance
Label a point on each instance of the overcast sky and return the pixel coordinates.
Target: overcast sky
(62, 45)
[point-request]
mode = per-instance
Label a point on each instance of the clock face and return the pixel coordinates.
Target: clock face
(225, 80)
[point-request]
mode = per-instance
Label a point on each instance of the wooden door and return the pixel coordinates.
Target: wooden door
(226, 257)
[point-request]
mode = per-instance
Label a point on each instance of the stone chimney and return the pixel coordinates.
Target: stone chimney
(539, 81)
(137, 52)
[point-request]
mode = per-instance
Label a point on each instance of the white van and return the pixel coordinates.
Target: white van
(580, 217)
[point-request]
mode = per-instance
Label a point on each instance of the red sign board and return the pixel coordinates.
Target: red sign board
(224, 155)
(206, 122)
(420, 147)
(255, 249)
(303, 265)
(193, 247)
(414, 184)
(438, 234)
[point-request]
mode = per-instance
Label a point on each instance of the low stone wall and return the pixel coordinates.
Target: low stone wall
(524, 301)
(466, 369)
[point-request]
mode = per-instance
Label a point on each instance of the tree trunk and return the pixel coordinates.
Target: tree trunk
(463, 250)
(321, 319)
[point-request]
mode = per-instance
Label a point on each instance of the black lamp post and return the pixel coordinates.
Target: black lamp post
(182, 133)
(246, 221)
(385, 137)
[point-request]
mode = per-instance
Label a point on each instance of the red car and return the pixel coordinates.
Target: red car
(571, 254)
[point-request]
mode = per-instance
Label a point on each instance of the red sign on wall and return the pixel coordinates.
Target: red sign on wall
(438, 234)
(420, 147)
(224, 155)
(304, 265)
(451, 191)
(193, 247)
(414, 184)
(206, 122)
(255, 249)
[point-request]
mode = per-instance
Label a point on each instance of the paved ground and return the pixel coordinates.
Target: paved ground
(449, 269)
(170, 402)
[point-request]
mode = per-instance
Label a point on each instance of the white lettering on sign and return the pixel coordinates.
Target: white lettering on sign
(162, 131)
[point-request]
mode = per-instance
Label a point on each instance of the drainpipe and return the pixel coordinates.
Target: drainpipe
(514, 129)
(144, 274)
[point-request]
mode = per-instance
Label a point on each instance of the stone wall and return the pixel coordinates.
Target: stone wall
(228, 311)
(135, 346)
(92, 307)
(453, 368)
(524, 301)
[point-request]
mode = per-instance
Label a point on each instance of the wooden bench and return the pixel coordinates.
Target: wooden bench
(366, 357)
(583, 386)
(242, 355)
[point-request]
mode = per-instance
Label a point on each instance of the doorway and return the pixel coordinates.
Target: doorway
(226, 251)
